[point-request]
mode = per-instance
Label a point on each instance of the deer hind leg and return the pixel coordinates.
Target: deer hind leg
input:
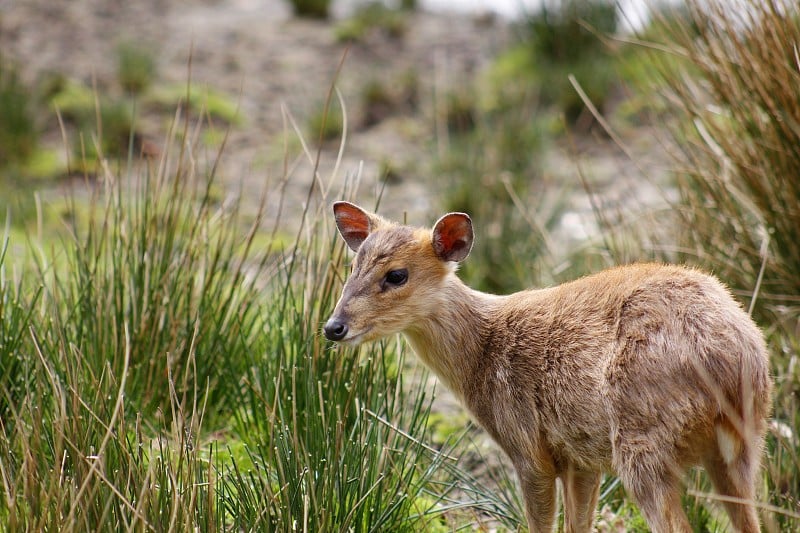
(581, 491)
(655, 484)
(732, 466)
(659, 499)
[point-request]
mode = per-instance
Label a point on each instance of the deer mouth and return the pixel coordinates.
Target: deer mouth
(355, 339)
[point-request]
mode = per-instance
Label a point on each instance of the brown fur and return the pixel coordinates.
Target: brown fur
(642, 370)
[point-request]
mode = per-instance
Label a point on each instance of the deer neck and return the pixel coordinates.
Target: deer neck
(451, 340)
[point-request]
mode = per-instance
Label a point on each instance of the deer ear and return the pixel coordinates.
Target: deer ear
(452, 237)
(354, 223)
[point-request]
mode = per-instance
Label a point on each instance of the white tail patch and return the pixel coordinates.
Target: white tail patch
(729, 443)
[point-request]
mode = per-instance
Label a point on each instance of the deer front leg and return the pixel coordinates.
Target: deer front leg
(538, 483)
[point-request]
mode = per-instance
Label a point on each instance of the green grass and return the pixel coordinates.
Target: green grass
(158, 371)
(161, 366)
(201, 99)
(326, 122)
(557, 40)
(736, 129)
(490, 167)
(735, 139)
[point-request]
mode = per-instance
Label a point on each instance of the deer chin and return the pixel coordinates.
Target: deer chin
(357, 339)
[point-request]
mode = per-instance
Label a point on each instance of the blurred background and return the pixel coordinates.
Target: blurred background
(434, 96)
(166, 175)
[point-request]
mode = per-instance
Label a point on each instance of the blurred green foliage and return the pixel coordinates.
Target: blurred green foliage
(491, 169)
(563, 38)
(374, 16)
(319, 9)
(19, 133)
(136, 66)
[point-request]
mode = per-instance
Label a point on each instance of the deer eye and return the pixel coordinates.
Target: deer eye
(395, 278)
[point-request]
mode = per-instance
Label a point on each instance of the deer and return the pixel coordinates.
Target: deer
(641, 371)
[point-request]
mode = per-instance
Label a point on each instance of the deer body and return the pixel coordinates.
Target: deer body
(642, 370)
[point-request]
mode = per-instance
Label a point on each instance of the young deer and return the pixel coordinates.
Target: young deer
(643, 370)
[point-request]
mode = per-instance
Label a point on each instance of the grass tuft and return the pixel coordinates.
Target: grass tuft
(159, 372)
(736, 125)
(136, 67)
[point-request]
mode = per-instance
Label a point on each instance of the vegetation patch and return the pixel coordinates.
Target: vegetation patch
(315, 9)
(161, 366)
(374, 17)
(160, 371)
(199, 98)
(136, 67)
(19, 133)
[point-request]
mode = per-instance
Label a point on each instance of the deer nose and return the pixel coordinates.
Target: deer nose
(335, 330)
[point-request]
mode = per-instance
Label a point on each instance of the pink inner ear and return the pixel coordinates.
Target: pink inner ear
(452, 237)
(353, 224)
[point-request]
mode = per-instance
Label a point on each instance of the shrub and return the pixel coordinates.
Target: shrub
(740, 136)
(18, 130)
(561, 32)
(199, 98)
(491, 170)
(103, 125)
(373, 17)
(319, 9)
(737, 130)
(115, 131)
(326, 122)
(381, 99)
(560, 39)
(136, 67)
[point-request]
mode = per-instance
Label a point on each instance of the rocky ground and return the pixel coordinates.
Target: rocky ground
(276, 66)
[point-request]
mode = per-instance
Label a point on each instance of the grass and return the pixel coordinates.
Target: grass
(735, 137)
(199, 98)
(111, 124)
(741, 140)
(160, 372)
(327, 122)
(736, 130)
(557, 40)
(161, 366)
(381, 99)
(490, 168)
(118, 374)
(493, 136)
